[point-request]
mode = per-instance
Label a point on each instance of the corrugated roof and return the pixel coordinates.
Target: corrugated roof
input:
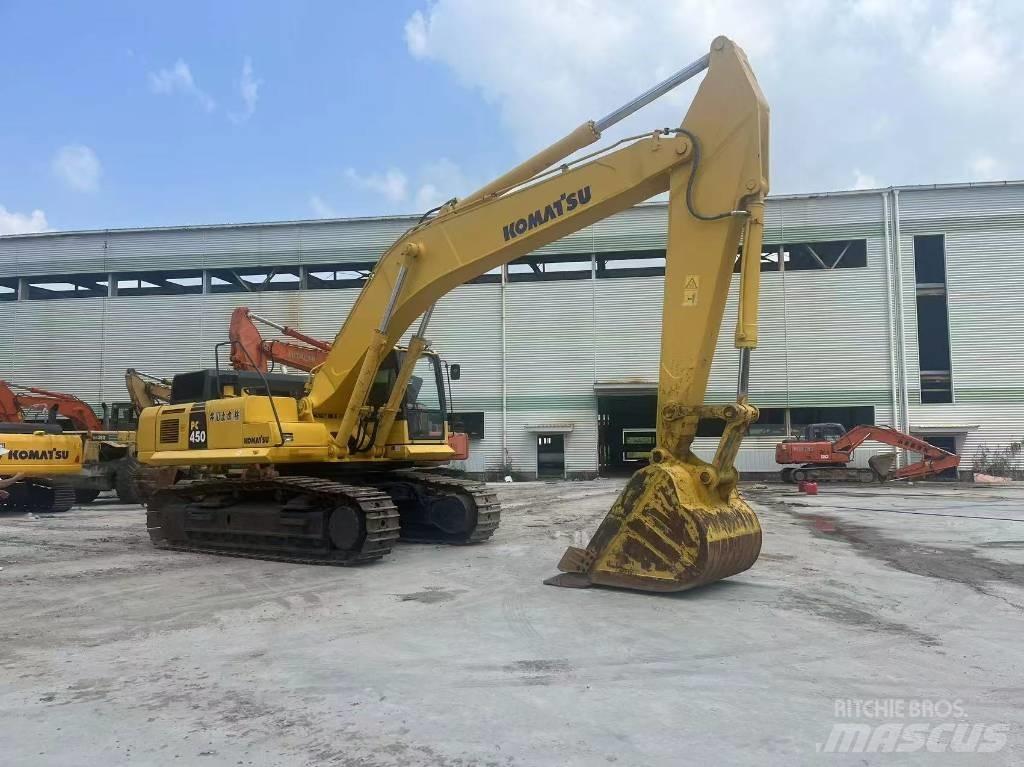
(412, 218)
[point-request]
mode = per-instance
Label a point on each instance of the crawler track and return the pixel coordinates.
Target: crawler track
(286, 519)
(415, 492)
(39, 495)
(829, 473)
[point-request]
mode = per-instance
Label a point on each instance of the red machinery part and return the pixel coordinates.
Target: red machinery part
(820, 453)
(15, 399)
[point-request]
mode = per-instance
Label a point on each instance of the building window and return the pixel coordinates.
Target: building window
(8, 288)
(771, 422)
(341, 275)
(933, 347)
(571, 266)
(930, 259)
(804, 256)
(56, 286)
(835, 254)
(254, 279)
(802, 417)
(630, 263)
(471, 423)
(159, 283)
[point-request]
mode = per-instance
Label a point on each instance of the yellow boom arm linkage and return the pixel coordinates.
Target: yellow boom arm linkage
(680, 522)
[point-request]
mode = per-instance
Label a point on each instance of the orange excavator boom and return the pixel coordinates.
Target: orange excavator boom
(249, 350)
(14, 399)
(933, 459)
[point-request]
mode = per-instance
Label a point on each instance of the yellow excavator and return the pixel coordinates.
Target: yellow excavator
(36, 463)
(330, 470)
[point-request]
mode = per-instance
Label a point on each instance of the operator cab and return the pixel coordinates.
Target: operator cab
(210, 384)
(425, 407)
(824, 432)
(120, 416)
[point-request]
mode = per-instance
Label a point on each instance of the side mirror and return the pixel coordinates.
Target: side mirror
(455, 372)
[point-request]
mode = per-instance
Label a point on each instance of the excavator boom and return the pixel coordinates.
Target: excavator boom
(934, 460)
(249, 350)
(15, 399)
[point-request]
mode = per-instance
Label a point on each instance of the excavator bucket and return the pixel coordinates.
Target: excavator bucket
(882, 465)
(666, 532)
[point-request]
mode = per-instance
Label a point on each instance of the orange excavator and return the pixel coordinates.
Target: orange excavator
(250, 351)
(826, 450)
(15, 400)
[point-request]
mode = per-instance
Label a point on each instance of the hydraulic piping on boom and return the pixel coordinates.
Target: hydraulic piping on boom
(326, 474)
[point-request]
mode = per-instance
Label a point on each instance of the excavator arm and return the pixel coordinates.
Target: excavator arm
(933, 459)
(680, 522)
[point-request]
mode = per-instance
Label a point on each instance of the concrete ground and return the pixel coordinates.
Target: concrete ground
(907, 597)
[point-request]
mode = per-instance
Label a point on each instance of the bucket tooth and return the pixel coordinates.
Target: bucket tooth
(666, 532)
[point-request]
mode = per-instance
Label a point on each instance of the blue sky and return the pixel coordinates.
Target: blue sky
(133, 114)
(337, 89)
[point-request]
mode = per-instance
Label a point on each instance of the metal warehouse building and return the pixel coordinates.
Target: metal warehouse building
(899, 306)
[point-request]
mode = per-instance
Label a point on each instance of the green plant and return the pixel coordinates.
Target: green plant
(1000, 462)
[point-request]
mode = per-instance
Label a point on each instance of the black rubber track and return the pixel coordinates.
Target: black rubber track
(378, 514)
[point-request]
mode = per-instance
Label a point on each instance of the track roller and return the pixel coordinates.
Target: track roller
(293, 519)
(435, 508)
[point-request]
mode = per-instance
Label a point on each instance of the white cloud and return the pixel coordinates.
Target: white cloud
(249, 89)
(985, 167)
(439, 182)
(392, 184)
(416, 35)
(321, 208)
(430, 185)
(876, 78)
(969, 51)
(178, 79)
(12, 222)
(78, 167)
(434, 183)
(864, 180)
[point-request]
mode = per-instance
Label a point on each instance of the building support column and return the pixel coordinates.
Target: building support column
(896, 401)
(505, 462)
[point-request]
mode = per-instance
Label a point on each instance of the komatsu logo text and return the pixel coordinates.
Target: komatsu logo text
(38, 455)
(567, 203)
